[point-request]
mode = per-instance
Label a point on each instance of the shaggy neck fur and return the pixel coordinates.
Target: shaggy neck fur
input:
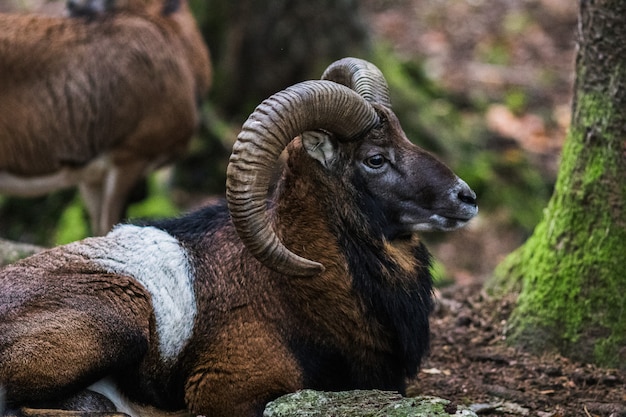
(392, 278)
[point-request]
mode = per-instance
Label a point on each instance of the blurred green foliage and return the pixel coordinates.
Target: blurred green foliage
(73, 223)
(441, 278)
(495, 52)
(516, 100)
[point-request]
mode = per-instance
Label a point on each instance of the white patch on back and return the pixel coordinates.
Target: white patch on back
(157, 261)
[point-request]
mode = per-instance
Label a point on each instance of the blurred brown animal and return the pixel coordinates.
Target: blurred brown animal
(98, 101)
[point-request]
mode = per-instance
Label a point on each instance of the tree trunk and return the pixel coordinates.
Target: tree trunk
(572, 270)
(260, 47)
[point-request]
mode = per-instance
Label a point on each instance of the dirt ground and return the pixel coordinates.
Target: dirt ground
(486, 48)
(470, 364)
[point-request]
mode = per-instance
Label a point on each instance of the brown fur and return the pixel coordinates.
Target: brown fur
(402, 253)
(39, 332)
(245, 366)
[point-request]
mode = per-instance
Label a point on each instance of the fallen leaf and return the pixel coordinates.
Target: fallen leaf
(432, 371)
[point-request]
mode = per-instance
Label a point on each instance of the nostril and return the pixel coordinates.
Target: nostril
(468, 197)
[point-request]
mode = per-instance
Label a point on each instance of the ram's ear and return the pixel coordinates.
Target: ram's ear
(320, 146)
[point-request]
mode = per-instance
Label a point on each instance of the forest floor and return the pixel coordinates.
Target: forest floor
(470, 364)
(486, 48)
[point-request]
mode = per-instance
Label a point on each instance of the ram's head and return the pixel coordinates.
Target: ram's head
(344, 119)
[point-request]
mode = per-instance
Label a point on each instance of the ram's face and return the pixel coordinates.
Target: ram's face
(408, 186)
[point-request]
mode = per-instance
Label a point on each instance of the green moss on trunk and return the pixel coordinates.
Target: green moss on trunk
(572, 270)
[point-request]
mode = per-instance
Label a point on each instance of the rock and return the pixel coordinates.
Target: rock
(360, 403)
(13, 251)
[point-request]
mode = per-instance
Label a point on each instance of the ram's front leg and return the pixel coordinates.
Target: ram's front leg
(247, 367)
(61, 332)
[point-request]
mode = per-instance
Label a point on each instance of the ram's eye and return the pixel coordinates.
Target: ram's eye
(375, 161)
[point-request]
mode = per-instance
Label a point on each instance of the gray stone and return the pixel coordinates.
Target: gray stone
(361, 403)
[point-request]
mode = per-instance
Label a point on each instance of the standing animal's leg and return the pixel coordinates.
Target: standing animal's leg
(118, 183)
(60, 332)
(91, 187)
(91, 193)
(105, 194)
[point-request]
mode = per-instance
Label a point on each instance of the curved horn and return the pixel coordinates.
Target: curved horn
(274, 123)
(361, 76)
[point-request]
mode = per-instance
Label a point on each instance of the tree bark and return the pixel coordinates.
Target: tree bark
(572, 270)
(260, 47)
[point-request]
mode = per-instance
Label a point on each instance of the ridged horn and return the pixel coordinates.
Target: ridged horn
(309, 105)
(361, 76)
